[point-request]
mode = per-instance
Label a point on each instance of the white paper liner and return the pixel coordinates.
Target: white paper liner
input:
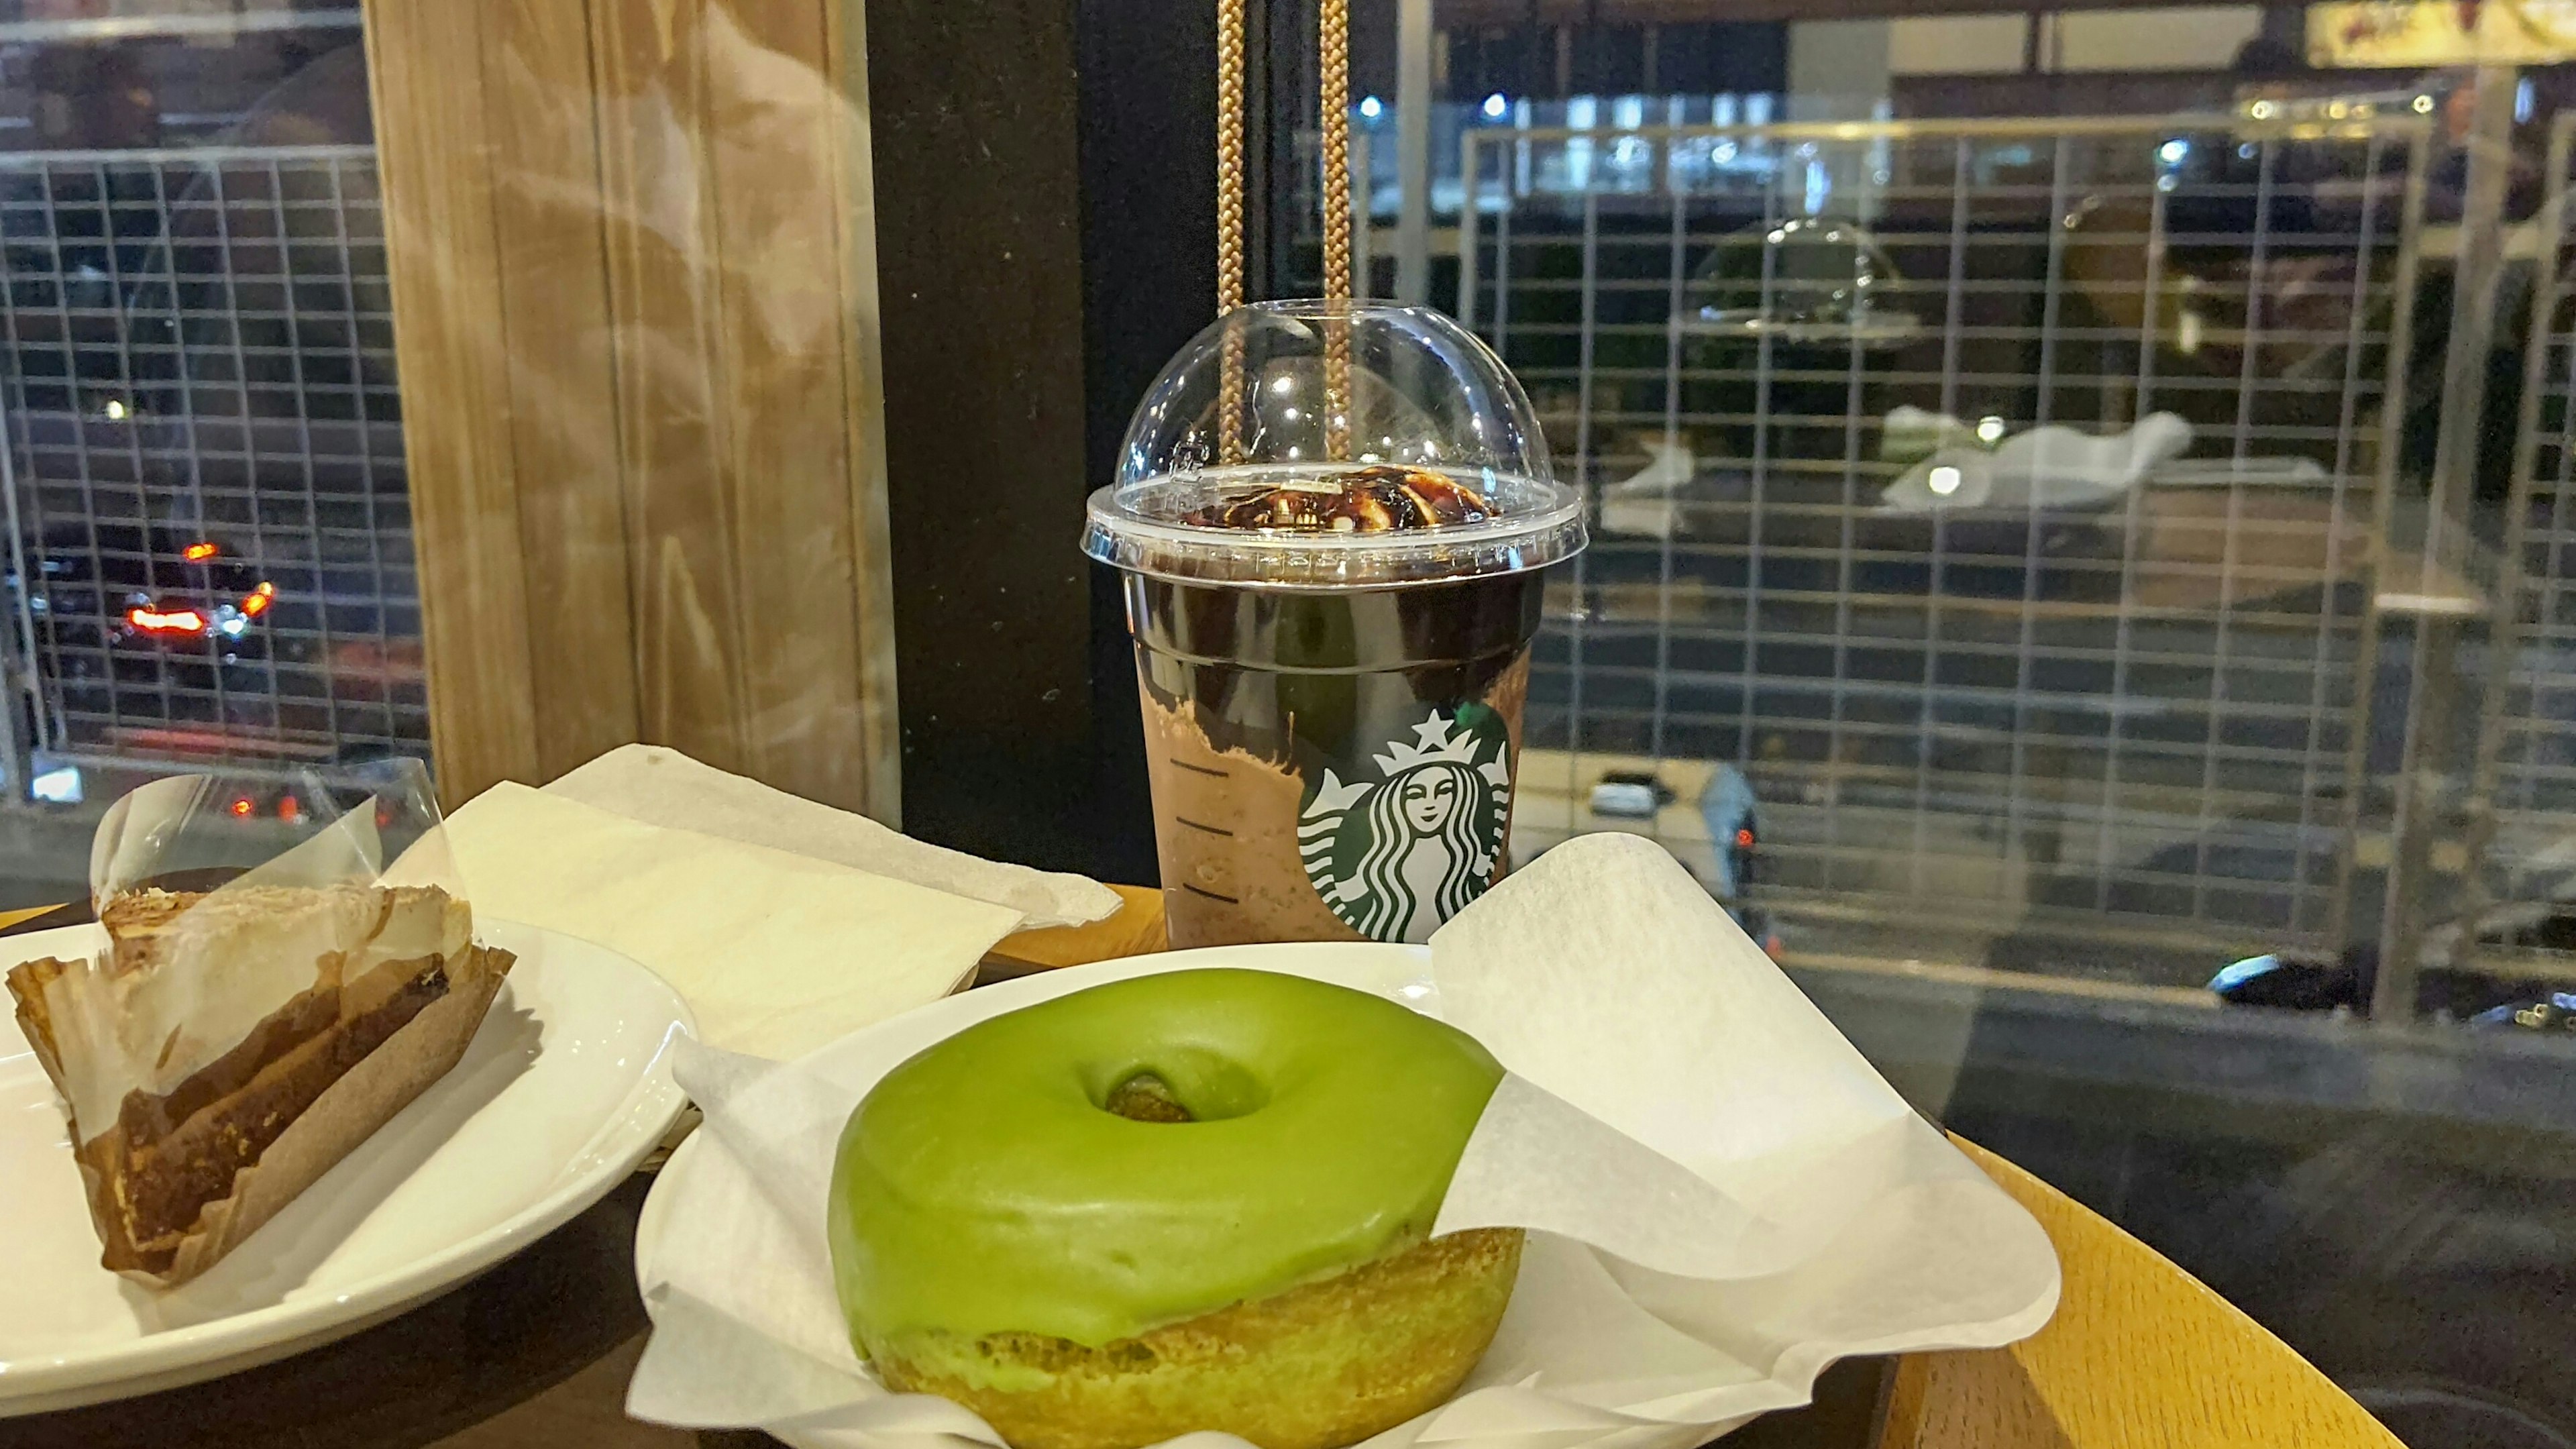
(1724, 1196)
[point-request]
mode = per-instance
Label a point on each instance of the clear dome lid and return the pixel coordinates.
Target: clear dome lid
(1320, 444)
(1807, 279)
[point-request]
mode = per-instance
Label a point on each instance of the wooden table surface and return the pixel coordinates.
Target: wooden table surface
(536, 1352)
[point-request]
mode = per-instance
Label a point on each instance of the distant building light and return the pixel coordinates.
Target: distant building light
(1372, 107)
(1990, 429)
(2173, 152)
(1944, 480)
(2423, 105)
(1495, 105)
(57, 786)
(116, 410)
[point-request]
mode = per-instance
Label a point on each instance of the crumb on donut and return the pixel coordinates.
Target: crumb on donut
(1145, 1097)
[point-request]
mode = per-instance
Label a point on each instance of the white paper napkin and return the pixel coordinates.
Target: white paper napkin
(663, 787)
(776, 953)
(1724, 1196)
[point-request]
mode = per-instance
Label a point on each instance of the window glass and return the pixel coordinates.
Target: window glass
(2079, 563)
(210, 542)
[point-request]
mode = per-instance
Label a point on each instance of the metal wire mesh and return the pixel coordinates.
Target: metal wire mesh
(2527, 756)
(1798, 369)
(200, 404)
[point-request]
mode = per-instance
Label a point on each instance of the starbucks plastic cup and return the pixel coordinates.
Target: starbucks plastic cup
(1333, 520)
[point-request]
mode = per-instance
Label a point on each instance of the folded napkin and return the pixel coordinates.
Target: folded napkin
(1723, 1197)
(776, 952)
(664, 787)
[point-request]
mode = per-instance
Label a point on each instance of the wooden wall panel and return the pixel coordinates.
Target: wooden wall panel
(562, 409)
(863, 403)
(772, 126)
(656, 205)
(432, 135)
(624, 271)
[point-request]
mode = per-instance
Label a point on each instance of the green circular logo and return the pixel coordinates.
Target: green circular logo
(1415, 831)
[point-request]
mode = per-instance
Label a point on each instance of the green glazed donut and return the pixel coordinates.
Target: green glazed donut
(1192, 1200)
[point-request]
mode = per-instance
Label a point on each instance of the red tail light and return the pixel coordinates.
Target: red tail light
(175, 621)
(243, 805)
(199, 552)
(1744, 840)
(256, 602)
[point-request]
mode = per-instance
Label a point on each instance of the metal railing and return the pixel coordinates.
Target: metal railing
(1802, 398)
(2523, 814)
(207, 505)
(2152, 712)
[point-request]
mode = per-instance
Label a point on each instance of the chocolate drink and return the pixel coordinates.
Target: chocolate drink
(1332, 764)
(1333, 520)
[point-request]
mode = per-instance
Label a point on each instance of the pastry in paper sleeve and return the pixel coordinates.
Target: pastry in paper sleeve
(241, 1030)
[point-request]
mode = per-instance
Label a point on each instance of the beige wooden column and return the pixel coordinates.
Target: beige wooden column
(633, 281)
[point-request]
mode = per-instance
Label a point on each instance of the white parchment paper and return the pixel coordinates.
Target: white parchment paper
(1724, 1197)
(660, 786)
(775, 952)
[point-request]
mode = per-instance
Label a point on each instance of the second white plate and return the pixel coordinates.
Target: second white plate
(566, 1087)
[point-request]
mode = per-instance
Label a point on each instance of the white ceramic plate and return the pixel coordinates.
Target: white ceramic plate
(566, 1087)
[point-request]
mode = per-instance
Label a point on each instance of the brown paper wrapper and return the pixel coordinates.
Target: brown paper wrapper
(345, 1113)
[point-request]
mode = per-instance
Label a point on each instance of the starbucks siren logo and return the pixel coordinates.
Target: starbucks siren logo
(1395, 856)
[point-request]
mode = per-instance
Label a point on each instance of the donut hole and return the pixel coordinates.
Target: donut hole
(1184, 1084)
(1145, 1097)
